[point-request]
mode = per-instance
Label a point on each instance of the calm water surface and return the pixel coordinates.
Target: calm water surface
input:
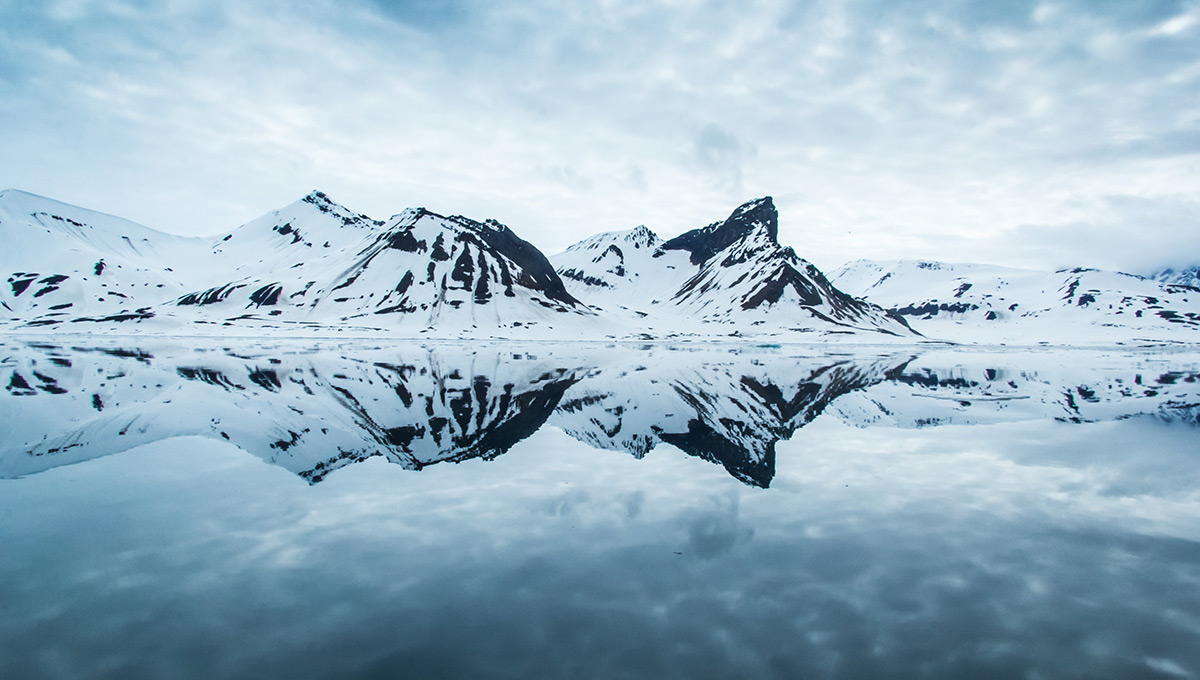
(242, 510)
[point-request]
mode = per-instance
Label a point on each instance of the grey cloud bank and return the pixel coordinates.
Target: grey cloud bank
(1039, 134)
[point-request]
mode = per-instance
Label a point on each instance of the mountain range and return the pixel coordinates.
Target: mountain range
(316, 268)
(1001, 305)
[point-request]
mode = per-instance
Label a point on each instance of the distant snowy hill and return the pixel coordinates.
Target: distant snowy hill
(67, 264)
(983, 303)
(952, 387)
(1180, 277)
(732, 273)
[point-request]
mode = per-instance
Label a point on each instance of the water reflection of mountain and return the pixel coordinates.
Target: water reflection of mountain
(1075, 386)
(730, 412)
(314, 410)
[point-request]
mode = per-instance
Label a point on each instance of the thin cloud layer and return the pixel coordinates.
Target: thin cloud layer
(938, 130)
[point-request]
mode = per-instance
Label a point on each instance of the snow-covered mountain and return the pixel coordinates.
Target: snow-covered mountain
(80, 268)
(983, 303)
(316, 267)
(313, 411)
(310, 412)
(729, 410)
(310, 265)
(732, 273)
(319, 264)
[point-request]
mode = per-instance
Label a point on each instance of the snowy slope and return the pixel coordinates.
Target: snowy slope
(731, 274)
(63, 263)
(983, 303)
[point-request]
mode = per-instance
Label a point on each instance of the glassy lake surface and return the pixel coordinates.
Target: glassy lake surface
(249, 510)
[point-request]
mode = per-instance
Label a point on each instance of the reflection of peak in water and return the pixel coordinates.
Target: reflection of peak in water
(313, 411)
(445, 418)
(970, 388)
(310, 413)
(728, 411)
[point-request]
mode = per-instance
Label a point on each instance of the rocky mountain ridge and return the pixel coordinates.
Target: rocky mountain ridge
(316, 267)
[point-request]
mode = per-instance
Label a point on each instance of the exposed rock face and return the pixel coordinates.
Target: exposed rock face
(705, 242)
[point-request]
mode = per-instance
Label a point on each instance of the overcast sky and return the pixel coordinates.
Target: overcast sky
(1038, 134)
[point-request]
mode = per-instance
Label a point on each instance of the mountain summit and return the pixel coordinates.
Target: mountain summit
(703, 243)
(731, 273)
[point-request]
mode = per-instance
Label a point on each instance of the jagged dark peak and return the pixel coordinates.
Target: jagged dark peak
(318, 198)
(747, 219)
(641, 237)
(537, 273)
(323, 203)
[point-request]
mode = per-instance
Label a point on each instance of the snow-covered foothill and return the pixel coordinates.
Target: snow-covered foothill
(989, 304)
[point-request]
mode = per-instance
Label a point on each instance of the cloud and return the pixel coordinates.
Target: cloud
(907, 126)
(716, 530)
(1136, 234)
(722, 154)
(429, 15)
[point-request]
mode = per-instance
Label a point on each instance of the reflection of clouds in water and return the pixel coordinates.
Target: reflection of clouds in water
(715, 529)
(877, 553)
(565, 503)
(634, 503)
